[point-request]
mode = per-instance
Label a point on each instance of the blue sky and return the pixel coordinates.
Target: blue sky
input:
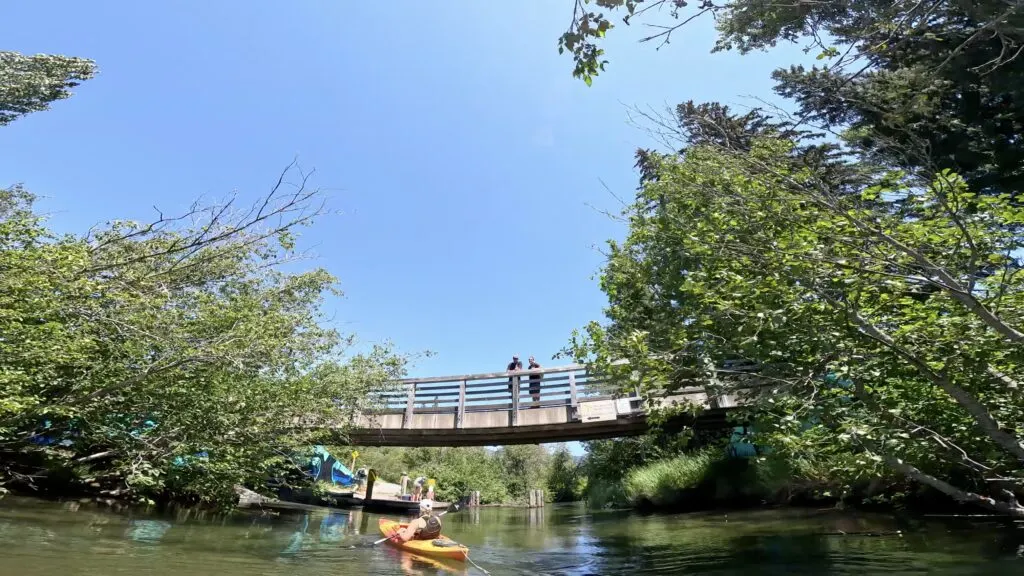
(468, 165)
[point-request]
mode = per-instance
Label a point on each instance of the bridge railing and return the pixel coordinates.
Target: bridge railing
(509, 391)
(535, 397)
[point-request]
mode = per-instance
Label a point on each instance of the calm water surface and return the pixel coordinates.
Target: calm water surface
(48, 538)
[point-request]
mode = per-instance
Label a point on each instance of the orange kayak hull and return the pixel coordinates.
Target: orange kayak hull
(424, 547)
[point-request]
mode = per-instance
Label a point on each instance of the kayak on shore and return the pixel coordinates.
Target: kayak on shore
(441, 546)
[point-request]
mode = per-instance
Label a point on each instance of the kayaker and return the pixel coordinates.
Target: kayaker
(426, 527)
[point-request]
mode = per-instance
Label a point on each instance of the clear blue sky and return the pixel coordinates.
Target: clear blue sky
(466, 160)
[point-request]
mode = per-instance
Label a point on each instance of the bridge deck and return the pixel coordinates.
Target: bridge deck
(521, 407)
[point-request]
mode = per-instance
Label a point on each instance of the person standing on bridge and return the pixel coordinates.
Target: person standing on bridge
(513, 366)
(535, 382)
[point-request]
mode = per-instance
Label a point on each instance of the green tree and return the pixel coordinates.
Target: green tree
(458, 471)
(30, 83)
(607, 463)
(926, 86)
(743, 253)
(565, 480)
(171, 358)
(525, 468)
(461, 470)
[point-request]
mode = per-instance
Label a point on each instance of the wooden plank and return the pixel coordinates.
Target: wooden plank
(503, 395)
(410, 405)
(729, 365)
(492, 375)
(420, 389)
(490, 384)
(450, 396)
(501, 389)
(515, 400)
(501, 436)
(503, 407)
(438, 410)
(460, 416)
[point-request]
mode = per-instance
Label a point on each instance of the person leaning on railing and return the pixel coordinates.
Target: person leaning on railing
(513, 366)
(535, 381)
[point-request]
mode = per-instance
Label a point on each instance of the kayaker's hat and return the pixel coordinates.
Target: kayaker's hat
(426, 505)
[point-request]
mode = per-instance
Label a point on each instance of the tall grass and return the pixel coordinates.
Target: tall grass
(663, 482)
(708, 477)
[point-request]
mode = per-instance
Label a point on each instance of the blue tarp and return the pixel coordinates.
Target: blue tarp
(327, 468)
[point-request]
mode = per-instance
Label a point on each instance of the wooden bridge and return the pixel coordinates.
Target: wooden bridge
(522, 407)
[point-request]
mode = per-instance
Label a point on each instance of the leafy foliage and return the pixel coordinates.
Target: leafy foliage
(525, 467)
(503, 476)
(565, 481)
(608, 462)
(168, 359)
(875, 278)
(926, 86)
(741, 253)
(30, 83)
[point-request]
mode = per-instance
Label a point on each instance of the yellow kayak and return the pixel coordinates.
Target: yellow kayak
(445, 547)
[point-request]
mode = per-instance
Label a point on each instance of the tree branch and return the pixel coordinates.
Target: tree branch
(962, 397)
(1010, 507)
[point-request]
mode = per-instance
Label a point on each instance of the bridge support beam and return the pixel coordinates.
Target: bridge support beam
(460, 415)
(515, 402)
(410, 406)
(574, 412)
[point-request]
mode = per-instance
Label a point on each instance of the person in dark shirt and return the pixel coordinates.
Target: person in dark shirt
(426, 527)
(535, 381)
(514, 365)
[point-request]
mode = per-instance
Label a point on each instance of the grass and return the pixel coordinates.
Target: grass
(707, 478)
(710, 479)
(664, 482)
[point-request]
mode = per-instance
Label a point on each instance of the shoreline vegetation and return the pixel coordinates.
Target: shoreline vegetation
(705, 479)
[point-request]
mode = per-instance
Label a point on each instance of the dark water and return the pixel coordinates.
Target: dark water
(47, 538)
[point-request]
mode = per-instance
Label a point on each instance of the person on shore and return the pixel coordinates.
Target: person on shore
(535, 382)
(417, 488)
(426, 527)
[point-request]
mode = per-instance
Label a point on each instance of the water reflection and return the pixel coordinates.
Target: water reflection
(151, 531)
(49, 538)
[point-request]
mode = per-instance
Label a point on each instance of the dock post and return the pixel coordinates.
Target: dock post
(371, 477)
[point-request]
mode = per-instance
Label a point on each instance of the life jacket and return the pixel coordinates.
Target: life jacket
(431, 530)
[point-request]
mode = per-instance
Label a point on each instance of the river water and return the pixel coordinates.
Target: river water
(50, 538)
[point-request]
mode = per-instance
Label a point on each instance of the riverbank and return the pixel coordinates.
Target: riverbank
(707, 480)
